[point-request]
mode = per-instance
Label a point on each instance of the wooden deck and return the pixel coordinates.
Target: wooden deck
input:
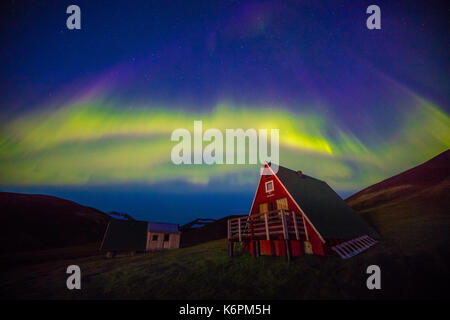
(265, 226)
(284, 225)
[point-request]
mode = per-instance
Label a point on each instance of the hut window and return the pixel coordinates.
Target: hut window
(166, 237)
(269, 186)
(262, 209)
(155, 237)
(283, 204)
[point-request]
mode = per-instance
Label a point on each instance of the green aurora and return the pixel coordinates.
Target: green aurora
(96, 143)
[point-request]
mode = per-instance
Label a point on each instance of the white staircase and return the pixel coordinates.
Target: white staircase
(353, 247)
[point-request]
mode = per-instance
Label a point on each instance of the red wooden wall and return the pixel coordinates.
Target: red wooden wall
(270, 198)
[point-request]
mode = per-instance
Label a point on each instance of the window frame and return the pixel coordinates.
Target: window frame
(273, 186)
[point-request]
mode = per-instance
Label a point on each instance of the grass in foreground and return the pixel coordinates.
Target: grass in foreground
(206, 272)
(413, 257)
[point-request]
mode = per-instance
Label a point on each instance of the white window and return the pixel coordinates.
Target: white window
(269, 186)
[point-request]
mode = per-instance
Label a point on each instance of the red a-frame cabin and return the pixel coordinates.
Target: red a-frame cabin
(294, 214)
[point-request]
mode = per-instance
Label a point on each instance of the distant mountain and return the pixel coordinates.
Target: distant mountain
(32, 222)
(121, 216)
(197, 223)
(204, 230)
(426, 183)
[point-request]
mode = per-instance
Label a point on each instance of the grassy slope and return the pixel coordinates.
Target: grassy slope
(206, 272)
(36, 222)
(199, 272)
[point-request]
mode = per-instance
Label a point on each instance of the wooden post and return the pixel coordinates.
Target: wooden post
(230, 248)
(272, 248)
(229, 229)
(257, 248)
(267, 226)
(287, 243)
(307, 244)
(294, 217)
(286, 235)
(283, 220)
(239, 229)
(306, 229)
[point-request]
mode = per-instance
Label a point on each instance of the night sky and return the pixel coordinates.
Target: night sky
(87, 114)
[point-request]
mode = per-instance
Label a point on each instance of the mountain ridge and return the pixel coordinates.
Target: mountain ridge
(35, 222)
(426, 182)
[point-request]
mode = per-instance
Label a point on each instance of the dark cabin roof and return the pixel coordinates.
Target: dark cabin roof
(125, 235)
(326, 210)
(162, 227)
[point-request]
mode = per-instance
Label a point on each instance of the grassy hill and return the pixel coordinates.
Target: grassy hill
(35, 222)
(410, 210)
(426, 183)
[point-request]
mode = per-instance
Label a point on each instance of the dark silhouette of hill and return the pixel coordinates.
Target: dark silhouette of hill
(411, 210)
(197, 223)
(121, 216)
(426, 183)
(34, 222)
(208, 232)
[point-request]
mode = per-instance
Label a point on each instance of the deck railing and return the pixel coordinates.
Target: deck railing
(262, 226)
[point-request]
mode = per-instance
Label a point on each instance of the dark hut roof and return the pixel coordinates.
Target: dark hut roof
(329, 214)
(125, 235)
